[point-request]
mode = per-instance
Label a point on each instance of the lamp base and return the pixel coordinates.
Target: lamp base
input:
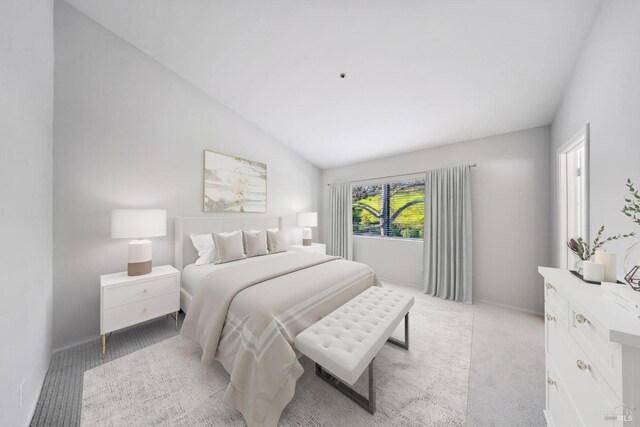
(306, 237)
(139, 268)
(139, 257)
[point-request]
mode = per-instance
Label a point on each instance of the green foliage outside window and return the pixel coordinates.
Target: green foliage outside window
(394, 209)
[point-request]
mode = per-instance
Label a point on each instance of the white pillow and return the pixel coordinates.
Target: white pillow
(205, 247)
(276, 241)
(229, 247)
(255, 242)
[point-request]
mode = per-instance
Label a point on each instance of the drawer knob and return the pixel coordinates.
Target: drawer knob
(550, 286)
(145, 291)
(550, 381)
(581, 319)
(582, 366)
(551, 318)
(145, 310)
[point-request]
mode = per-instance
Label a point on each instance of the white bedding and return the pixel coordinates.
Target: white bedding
(247, 317)
(192, 274)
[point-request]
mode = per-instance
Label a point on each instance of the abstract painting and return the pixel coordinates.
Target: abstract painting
(233, 184)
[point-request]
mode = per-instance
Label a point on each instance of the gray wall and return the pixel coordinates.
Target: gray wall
(131, 133)
(511, 216)
(604, 91)
(26, 117)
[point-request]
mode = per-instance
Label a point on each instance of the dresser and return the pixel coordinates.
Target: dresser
(592, 355)
(319, 248)
(129, 300)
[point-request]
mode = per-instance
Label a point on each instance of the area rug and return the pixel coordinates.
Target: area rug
(165, 384)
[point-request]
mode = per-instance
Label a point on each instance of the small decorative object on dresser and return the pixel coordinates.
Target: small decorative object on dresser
(307, 220)
(633, 278)
(319, 248)
(592, 272)
(624, 297)
(592, 355)
(586, 253)
(138, 224)
(127, 300)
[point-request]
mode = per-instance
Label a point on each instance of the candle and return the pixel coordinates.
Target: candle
(608, 259)
(593, 272)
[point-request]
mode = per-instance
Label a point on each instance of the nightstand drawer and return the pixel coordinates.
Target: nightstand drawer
(115, 296)
(140, 311)
(318, 248)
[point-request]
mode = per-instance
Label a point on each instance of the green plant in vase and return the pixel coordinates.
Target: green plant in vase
(585, 251)
(632, 210)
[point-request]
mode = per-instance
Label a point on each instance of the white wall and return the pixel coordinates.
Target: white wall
(604, 91)
(131, 133)
(26, 117)
(511, 217)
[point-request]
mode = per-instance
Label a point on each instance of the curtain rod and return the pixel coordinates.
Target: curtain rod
(396, 176)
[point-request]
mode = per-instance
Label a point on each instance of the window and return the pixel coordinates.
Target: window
(389, 209)
(573, 190)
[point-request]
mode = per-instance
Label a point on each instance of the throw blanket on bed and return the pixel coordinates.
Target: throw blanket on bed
(248, 318)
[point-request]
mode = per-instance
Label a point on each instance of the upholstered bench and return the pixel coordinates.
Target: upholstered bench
(345, 342)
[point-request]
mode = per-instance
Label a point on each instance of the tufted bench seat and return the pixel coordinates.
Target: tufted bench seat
(346, 341)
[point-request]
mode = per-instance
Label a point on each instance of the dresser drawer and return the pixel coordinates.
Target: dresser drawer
(583, 383)
(140, 311)
(114, 296)
(592, 337)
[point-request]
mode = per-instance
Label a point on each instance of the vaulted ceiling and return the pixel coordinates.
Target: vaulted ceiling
(418, 73)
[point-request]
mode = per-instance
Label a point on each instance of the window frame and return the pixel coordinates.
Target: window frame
(579, 138)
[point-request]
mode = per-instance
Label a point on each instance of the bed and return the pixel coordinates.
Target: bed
(246, 314)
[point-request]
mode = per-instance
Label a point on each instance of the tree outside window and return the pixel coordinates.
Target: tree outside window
(391, 209)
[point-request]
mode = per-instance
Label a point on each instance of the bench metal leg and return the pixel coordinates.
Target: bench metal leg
(369, 404)
(399, 343)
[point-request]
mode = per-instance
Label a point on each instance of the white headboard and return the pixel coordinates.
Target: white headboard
(186, 254)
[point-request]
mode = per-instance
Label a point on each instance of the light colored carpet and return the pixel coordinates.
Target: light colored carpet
(166, 384)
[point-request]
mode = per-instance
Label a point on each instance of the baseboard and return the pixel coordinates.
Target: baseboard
(397, 282)
(97, 337)
(75, 343)
(32, 411)
(510, 307)
(547, 417)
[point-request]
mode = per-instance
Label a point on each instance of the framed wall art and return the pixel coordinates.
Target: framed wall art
(234, 184)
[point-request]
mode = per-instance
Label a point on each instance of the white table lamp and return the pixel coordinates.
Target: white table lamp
(138, 224)
(307, 220)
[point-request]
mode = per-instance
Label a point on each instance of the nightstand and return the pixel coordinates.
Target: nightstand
(319, 248)
(128, 300)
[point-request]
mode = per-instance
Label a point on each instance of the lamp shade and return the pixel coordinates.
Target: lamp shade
(307, 219)
(138, 223)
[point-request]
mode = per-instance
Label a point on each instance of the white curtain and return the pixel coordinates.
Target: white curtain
(447, 234)
(340, 229)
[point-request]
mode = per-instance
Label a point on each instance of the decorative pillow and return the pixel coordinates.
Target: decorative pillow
(276, 241)
(205, 247)
(255, 242)
(228, 247)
